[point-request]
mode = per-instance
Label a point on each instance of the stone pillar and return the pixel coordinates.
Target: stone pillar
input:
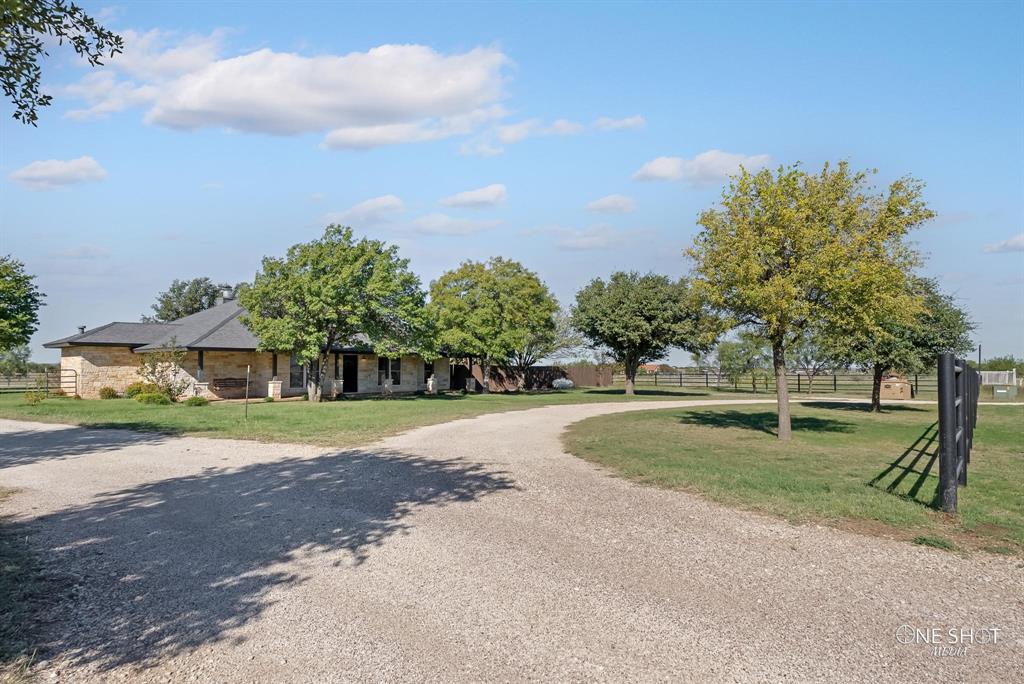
(274, 389)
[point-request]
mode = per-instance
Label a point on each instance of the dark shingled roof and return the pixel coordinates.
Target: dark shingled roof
(215, 328)
(115, 334)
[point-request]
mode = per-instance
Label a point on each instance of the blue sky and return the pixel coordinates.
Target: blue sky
(224, 135)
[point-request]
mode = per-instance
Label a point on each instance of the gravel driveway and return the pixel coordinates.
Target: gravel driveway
(472, 550)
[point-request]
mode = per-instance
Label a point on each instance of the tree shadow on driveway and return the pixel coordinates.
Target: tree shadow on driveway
(172, 565)
(31, 446)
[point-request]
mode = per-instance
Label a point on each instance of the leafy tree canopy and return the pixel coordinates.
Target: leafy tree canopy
(24, 25)
(20, 300)
(638, 318)
(329, 291)
(1003, 363)
(498, 312)
(15, 361)
(186, 297)
(910, 346)
(786, 250)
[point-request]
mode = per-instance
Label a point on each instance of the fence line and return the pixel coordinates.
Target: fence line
(959, 386)
(22, 383)
(799, 382)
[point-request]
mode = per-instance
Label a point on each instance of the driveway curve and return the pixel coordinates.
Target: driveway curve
(472, 550)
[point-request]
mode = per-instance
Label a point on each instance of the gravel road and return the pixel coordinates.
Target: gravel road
(473, 550)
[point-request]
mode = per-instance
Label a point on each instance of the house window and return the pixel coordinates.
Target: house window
(389, 369)
(337, 366)
(296, 373)
(428, 370)
(199, 375)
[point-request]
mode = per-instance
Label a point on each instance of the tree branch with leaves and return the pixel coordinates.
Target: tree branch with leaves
(25, 25)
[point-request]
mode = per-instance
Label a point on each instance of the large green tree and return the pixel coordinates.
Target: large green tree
(25, 26)
(638, 318)
(15, 361)
(20, 300)
(186, 297)
(498, 312)
(329, 291)
(786, 250)
(747, 355)
(909, 346)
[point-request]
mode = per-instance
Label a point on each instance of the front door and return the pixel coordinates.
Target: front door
(349, 374)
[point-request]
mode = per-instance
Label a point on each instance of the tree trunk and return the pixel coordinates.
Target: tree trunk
(312, 387)
(486, 368)
(876, 388)
(781, 390)
(630, 378)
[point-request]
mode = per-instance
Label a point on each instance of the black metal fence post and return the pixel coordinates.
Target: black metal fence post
(959, 389)
(947, 432)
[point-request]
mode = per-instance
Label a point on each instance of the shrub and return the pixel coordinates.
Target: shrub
(163, 369)
(563, 384)
(196, 401)
(153, 398)
(34, 398)
(137, 388)
(268, 399)
(108, 393)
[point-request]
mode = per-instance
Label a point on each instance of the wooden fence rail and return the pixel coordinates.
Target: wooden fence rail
(847, 383)
(22, 383)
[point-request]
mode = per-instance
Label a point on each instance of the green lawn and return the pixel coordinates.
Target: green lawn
(340, 423)
(845, 466)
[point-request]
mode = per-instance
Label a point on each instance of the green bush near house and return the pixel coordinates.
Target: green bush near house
(34, 398)
(137, 388)
(153, 398)
(196, 401)
(268, 400)
(108, 393)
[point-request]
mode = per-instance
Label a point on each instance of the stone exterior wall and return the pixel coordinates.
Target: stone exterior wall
(117, 367)
(99, 366)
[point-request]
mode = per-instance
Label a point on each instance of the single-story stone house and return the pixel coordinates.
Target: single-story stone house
(219, 347)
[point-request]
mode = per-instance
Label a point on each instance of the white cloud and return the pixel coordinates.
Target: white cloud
(488, 196)
(509, 134)
(517, 132)
(375, 210)
(564, 127)
(54, 173)
(1013, 244)
(599, 236)
(613, 204)
(662, 168)
(149, 60)
(607, 124)
(442, 224)
(480, 147)
(705, 169)
(389, 94)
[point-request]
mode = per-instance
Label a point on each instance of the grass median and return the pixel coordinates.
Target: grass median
(876, 473)
(333, 423)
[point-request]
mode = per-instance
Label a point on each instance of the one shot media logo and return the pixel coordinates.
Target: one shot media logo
(949, 641)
